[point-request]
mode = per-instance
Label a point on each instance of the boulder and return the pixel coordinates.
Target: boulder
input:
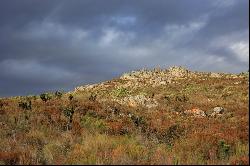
(216, 111)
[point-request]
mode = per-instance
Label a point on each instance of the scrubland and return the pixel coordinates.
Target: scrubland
(143, 117)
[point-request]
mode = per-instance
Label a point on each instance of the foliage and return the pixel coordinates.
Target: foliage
(93, 124)
(45, 97)
(71, 97)
(58, 94)
(26, 105)
(105, 131)
(93, 97)
(1, 104)
(69, 112)
(223, 149)
(120, 92)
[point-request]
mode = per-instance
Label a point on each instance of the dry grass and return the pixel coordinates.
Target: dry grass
(103, 132)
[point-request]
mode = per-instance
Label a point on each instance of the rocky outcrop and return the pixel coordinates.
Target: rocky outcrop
(156, 77)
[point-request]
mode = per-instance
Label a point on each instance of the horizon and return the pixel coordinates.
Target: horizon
(58, 45)
(68, 90)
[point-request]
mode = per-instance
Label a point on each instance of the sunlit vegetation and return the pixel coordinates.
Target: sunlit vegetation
(91, 127)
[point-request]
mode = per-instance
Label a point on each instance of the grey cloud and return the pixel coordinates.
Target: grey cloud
(50, 44)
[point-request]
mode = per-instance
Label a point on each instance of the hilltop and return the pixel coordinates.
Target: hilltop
(159, 116)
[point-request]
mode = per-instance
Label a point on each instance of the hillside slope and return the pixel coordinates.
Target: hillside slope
(172, 116)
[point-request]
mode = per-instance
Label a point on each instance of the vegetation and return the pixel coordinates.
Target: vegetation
(58, 94)
(69, 112)
(97, 126)
(25, 105)
(120, 92)
(71, 97)
(45, 97)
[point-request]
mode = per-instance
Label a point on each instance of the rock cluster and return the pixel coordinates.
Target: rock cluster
(156, 77)
(195, 112)
(216, 111)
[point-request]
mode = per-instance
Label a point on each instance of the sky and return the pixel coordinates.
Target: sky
(48, 45)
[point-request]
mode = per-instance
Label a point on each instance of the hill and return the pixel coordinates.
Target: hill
(171, 116)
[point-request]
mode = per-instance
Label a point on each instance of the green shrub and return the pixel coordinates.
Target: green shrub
(26, 105)
(45, 97)
(93, 123)
(58, 94)
(69, 112)
(223, 150)
(120, 92)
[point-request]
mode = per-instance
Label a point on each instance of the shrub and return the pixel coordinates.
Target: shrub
(1, 104)
(71, 97)
(93, 97)
(120, 92)
(93, 123)
(223, 150)
(58, 94)
(45, 97)
(138, 121)
(174, 132)
(69, 112)
(26, 105)
(181, 98)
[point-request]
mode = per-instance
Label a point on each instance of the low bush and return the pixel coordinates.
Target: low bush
(93, 123)
(120, 92)
(26, 105)
(58, 94)
(45, 97)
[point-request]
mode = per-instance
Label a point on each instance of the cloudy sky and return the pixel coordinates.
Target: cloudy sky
(54, 44)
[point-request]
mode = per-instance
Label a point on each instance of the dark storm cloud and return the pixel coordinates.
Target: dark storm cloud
(51, 44)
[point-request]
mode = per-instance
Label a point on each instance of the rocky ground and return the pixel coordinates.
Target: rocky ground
(171, 116)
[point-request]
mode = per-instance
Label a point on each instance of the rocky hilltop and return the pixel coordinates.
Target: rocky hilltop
(157, 78)
(159, 116)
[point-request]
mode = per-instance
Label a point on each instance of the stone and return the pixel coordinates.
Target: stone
(216, 111)
(195, 112)
(178, 72)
